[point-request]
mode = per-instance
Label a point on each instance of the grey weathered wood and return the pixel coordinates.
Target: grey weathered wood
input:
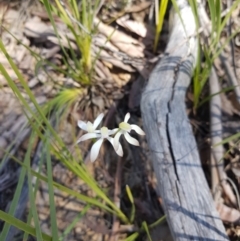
(187, 200)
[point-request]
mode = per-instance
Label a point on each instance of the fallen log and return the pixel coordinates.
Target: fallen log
(187, 201)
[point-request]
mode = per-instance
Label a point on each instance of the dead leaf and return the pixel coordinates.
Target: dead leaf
(227, 214)
(135, 27)
(123, 42)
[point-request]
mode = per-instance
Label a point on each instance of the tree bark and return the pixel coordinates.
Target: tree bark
(187, 201)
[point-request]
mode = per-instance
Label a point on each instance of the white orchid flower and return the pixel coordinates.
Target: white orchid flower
(89, 126)
(103, 134)
(124, 129)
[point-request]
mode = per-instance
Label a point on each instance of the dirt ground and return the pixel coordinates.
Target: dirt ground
(121, 72)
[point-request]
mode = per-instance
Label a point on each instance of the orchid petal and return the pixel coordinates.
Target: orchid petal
(111, 132)
(82, 125)
(95, 149)
(138, 129)
(104, 132)
(131, 140)
(127, 117)
(116, 140)
(90, 127)
(98, 120)
(119, 151)
(88, 136)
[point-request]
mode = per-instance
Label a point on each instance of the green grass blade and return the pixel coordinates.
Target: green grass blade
(226, 140)
(69, 191)
(224, 90)
(216, 23)
(22, 226)
(197, 72)
(76, 12)
(60, 149)
(161, 15)
(212, 9)
(41, 118)
(218, 18)
(228, 15)
(196, 79)
(84, 13)
(53, 216)
(145, 227)
(132, 237)
(159, 221)
(74, 222)
(32, 199)
(176, 9)
(17, 194)
(219, 51)
(29, 218)
(133, 209)
(62, 11)
(49, 8)
(16, 91)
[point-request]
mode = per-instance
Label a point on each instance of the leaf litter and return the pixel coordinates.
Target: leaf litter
(124, 59)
